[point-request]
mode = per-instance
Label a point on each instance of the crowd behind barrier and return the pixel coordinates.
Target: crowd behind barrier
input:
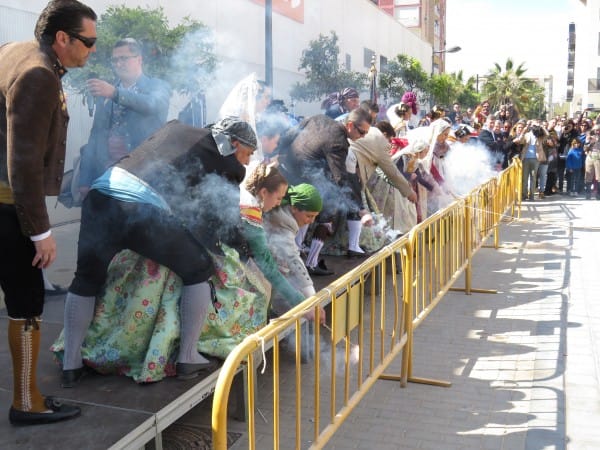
(369, 325)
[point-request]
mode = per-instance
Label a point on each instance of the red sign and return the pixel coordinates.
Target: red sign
(294, 9)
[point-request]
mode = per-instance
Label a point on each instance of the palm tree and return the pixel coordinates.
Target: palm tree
(509, 86)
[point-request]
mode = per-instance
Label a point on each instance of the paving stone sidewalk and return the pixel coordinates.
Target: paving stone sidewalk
(523, 362)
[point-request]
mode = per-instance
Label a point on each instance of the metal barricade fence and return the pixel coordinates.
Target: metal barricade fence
(374, 310)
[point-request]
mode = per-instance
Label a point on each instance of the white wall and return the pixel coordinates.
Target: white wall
(239, 27)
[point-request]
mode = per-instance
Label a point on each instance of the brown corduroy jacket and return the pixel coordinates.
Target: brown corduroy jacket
(33, 130)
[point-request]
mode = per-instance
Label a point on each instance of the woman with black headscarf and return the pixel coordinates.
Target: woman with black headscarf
(339, 103)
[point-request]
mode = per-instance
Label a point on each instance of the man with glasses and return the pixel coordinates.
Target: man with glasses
(316, 152)
(33, 133)
(127, 111)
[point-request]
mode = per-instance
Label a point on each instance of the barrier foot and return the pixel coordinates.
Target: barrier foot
(430, 381)
(502, 246)
(385, 376)
(479, 291)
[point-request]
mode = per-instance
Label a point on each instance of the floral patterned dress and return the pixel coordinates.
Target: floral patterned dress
(135, 330)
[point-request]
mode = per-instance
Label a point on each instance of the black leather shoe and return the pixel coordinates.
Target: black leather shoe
(353, 254)
(318, 271)
(187, 371)
(71, 377)
(57, 411)
(57, 290)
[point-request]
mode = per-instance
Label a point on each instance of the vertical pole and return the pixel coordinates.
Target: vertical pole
(269, 43)
(468, 244)
(407, 312)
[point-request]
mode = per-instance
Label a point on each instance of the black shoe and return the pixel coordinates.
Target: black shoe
(72, 377)
(59, 411)
(57, 290)
(187, 371)
(323, 266)
(318, 271)
(353, 254)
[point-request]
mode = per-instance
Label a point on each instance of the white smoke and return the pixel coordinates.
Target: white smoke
(467, 166)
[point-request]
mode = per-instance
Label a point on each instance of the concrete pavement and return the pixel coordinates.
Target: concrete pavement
(523, 362)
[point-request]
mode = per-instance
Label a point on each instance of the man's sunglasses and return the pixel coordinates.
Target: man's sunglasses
(359, 130)
(89, 42)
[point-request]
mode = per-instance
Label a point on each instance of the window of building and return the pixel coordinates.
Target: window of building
(348, 62)
(368, 57)
(383, 64)
(408, 15)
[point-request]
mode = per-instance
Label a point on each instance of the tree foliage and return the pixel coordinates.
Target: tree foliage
(323, 72)
(467, 93)
(508, 86)
(183, 55)
(403, 73)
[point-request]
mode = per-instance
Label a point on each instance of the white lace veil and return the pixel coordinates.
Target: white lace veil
(241, 102)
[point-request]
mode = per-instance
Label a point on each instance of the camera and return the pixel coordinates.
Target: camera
(537, 131)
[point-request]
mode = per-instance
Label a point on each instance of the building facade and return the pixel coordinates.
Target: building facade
(426, 19)
(583, 63)
(362, 27)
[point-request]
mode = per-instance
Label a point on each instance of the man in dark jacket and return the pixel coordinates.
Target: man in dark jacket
(491, 136)
(316, 152)
(33, 131)
(170, 200)
(127, 112)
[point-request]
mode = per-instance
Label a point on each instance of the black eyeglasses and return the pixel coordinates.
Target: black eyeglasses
(121, 59)
(359, 130)
(89, 42)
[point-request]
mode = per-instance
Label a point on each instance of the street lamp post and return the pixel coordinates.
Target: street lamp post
(440, 52)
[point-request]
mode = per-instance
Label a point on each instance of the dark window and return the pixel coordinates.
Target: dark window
(383, 64)
(348, 62)
(368, 55)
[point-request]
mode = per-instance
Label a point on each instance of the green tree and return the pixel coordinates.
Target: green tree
(443, 89)
(508, 85)
(182, 55)
(403, 73)
(447, 88)
(323, 72)
(468, 95)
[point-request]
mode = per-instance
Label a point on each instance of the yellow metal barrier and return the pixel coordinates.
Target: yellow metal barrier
(373, 315)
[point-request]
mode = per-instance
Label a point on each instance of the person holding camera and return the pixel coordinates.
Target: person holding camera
(128, 110)
(568, 133)
(531, 156)
(592, 164)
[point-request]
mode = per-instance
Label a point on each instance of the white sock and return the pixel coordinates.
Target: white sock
(354, 227)
(79, 312)
(300, 236)
(47, 284)
(195, 300)
(313, 254)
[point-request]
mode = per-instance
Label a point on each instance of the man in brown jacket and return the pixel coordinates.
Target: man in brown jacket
(33, 131)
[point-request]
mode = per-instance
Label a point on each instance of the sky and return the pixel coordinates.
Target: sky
(532, 32)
